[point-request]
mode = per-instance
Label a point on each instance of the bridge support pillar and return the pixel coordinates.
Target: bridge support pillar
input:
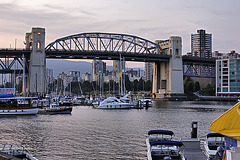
(168, 76)
(37, 63)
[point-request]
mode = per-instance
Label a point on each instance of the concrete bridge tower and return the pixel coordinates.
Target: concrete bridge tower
(168, 76)
(35, 41)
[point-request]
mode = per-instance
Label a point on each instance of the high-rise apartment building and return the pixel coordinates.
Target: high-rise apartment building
(118, 68)
(201, 44)
(49, 75)
(148, 71)
(98, 66)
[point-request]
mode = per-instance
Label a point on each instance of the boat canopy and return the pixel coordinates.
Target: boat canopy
(214, 135)
(228, 123)
(160, 132)
(6, 95)
(175, 143)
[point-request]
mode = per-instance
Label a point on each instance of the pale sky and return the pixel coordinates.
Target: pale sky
(149, 19)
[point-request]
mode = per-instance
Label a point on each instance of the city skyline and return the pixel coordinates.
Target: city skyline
(153, 20)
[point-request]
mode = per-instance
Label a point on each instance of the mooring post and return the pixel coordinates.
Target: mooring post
(194, 129)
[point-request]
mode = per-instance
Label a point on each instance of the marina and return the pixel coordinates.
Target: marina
(89, 133)
(122, 80)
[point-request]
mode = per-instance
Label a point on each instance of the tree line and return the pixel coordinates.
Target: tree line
(190, 86)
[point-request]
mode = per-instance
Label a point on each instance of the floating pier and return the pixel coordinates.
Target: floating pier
(192, 149)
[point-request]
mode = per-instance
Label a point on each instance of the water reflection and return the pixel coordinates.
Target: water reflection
(106, 134)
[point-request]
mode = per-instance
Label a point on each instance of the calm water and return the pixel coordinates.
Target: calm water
(90, 133)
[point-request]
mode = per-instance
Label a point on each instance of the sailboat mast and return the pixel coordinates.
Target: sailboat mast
(124, 83)
(23, 75)
(41, 75)
(121, 74)
(70, 86)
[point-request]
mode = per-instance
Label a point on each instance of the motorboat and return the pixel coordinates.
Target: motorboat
(18, 106)
(65, 101)
(56, 109)
(161, 150)
(160, 146)
(211, 144)
(44, 103)
(79, 100)
(16, 150)
(96, 103)
(147, 102)
(113, 103)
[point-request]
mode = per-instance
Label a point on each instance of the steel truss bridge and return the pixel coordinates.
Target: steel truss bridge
(106, 46)
(199, 67)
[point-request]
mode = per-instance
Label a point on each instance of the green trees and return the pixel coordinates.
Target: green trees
(190, 87)
(196, 86)
(208, 90)
(140, 85)
(148, 86)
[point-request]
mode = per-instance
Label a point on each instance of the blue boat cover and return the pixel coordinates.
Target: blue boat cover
(6, 95)
(160, 132)
(176, 143)
(215, 135)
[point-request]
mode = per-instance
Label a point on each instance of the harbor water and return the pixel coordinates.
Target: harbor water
(90, 133)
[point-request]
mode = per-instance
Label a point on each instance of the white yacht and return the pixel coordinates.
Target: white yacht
(160, 146)
(114, 103)
(211, 143)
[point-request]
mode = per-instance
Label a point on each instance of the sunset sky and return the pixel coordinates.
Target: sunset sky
(150, 19)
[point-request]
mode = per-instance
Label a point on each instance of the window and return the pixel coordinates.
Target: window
(39, 45)
(177, 52)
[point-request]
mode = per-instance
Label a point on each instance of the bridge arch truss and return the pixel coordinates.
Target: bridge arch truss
(105, 42)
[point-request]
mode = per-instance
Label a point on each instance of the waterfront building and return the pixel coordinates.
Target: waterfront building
(135, 74)
(148, 71)
(98, 66)
(75, 76)
(232, 54)
(118, 68)
(86, 77)
(49, 75)
(18, 79)
(201, 44)
(228, 77)
(62, 75)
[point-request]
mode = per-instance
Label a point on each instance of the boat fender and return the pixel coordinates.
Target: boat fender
(224, 155)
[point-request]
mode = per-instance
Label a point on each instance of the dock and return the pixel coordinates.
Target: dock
(192, 149)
